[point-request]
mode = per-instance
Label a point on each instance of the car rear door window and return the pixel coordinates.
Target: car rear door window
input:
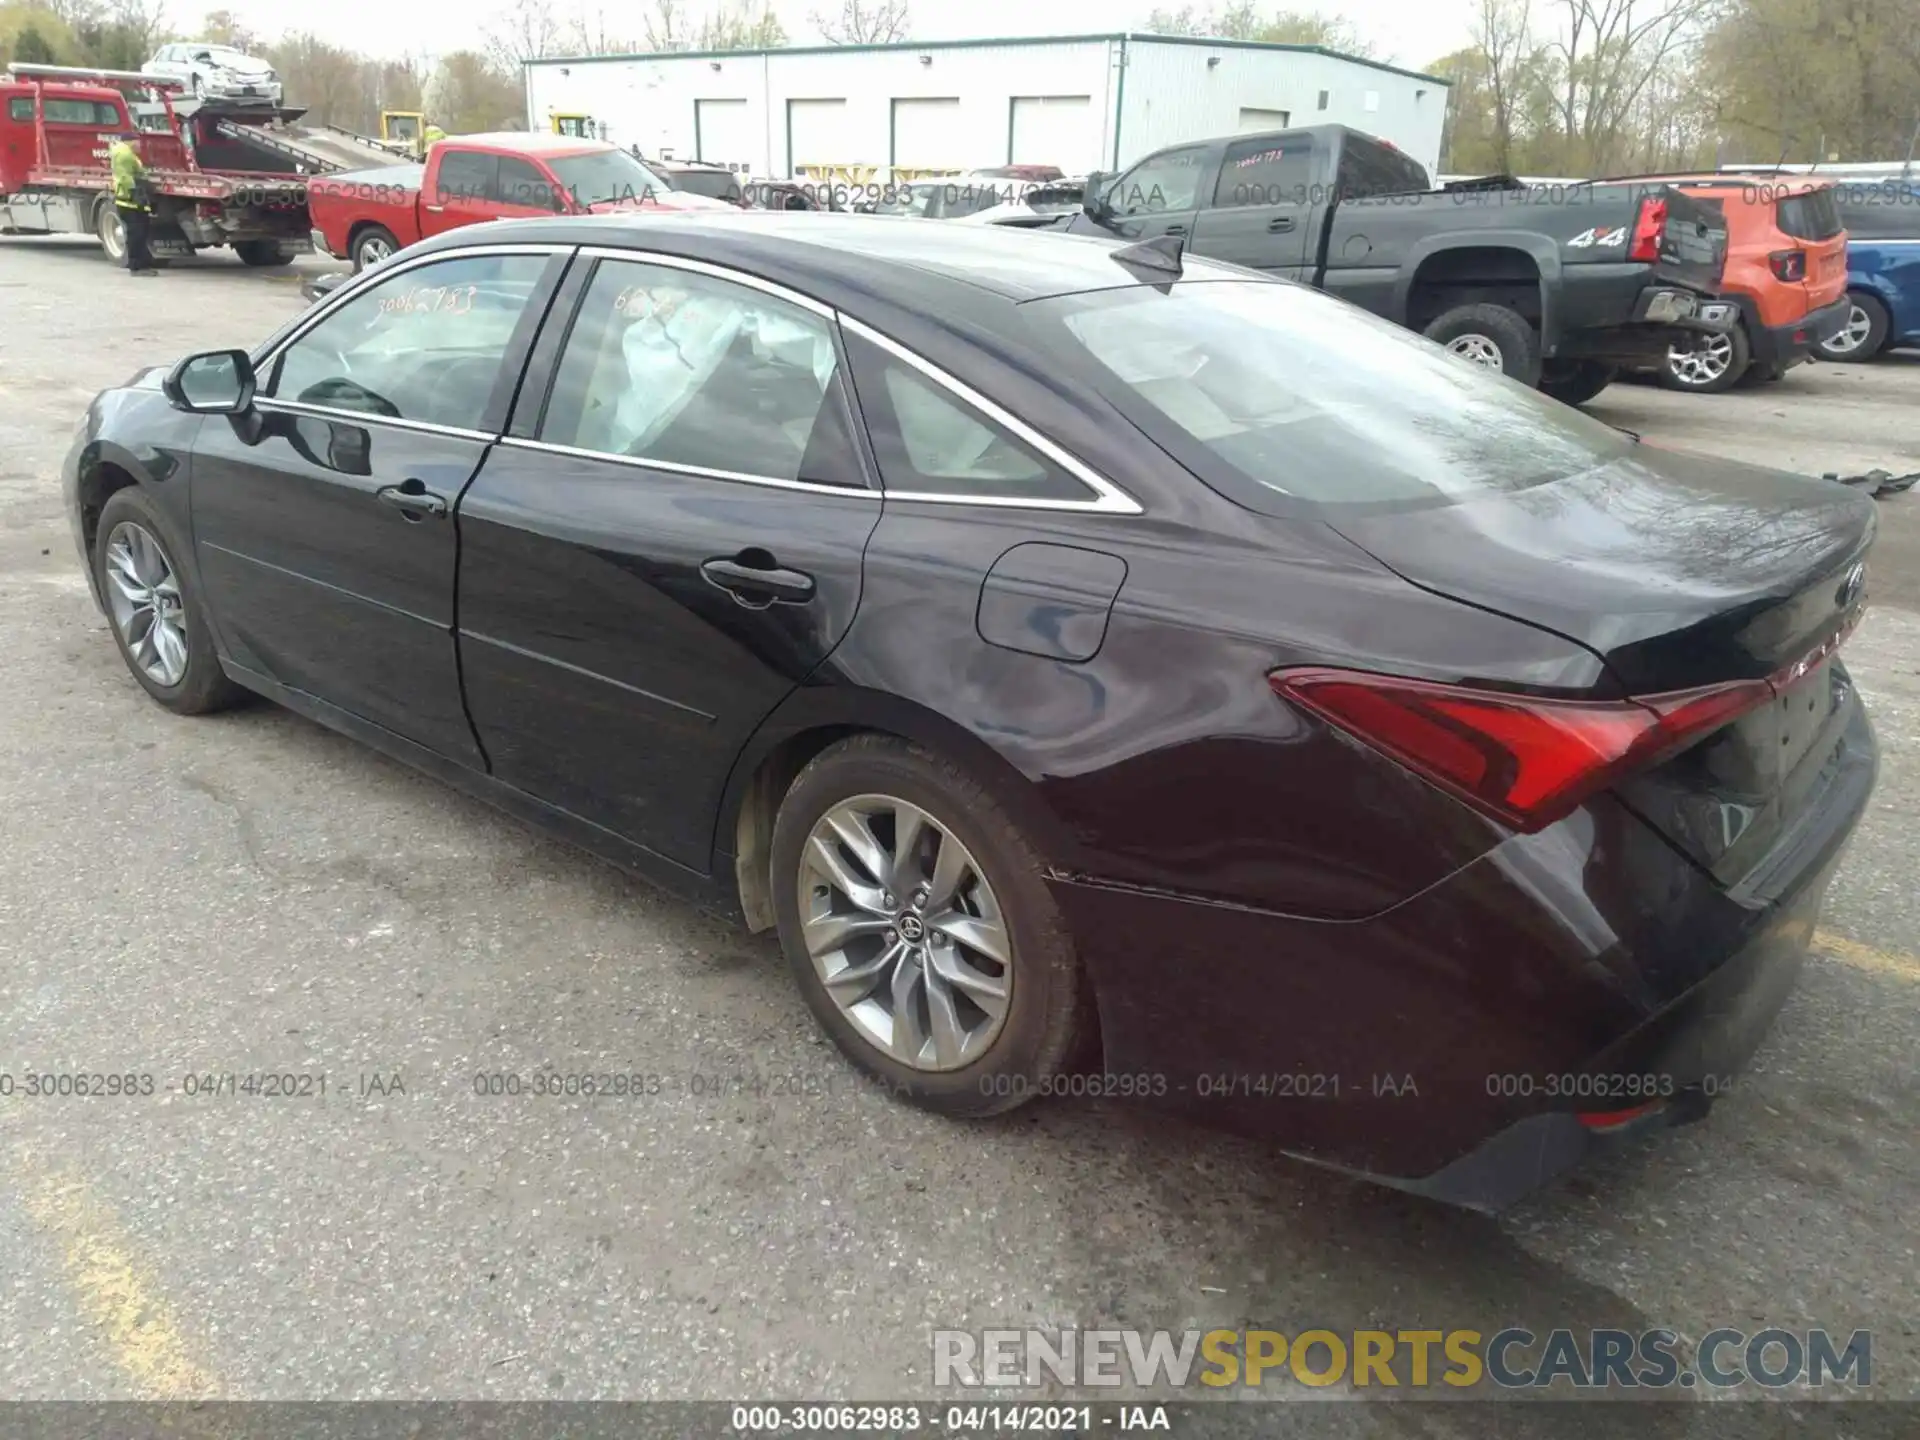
(699, 373)
(931, 441)
(424, 345)
(1276, 170)
(468, 175)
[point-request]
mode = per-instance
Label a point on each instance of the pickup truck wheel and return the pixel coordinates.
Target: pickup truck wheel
(111, 234)
(261, 252)
(1864, 334)
(1707, 362)
(372, 245)
(1492, 337)
(1574, 382)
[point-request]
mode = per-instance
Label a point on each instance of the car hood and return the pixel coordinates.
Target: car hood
(1676, 569)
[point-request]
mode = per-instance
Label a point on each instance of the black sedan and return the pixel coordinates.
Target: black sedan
(1111, 672)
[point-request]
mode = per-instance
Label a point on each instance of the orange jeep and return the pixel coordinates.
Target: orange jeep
(1786, 269)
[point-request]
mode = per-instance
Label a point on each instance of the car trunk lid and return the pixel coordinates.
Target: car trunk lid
(1692, 249)
(1680, 572)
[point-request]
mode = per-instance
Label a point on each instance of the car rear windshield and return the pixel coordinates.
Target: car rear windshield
(1274, 394)
(1812, 216)
(600, 176)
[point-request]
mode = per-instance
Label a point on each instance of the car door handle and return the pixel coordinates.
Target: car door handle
(1280, 224)
(1174, 230)
(758, 586)
(433, 209)
(412, 499)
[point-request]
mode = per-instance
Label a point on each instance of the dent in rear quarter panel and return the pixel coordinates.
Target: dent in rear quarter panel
(1166, 760)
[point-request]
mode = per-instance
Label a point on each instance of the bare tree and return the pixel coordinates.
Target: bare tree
(1503, 32)
(525, 30)
(589, 34)
(865, 22)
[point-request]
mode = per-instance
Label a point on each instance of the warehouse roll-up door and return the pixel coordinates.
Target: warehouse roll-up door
(724, 134)
(818, 138)
(1054, 130)
(927, 135)
(1253, 121)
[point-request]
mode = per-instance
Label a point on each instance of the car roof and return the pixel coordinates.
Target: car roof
(844, 260)
(534, 142)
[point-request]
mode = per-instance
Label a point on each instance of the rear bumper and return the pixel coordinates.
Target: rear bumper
(1449, 1045)
(1617, 315)
(1787, 345)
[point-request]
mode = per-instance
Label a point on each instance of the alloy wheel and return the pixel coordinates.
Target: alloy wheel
(1477, 350)
(905, 932)
(1704, 362)
(144, 596)
(373, 250)
(1852, 335)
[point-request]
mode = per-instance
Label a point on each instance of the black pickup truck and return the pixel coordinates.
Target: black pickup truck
(1557, 285)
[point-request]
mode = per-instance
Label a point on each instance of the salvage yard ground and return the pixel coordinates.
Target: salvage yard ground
(252, 893)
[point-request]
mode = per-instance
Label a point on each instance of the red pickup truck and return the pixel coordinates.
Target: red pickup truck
(367, 215)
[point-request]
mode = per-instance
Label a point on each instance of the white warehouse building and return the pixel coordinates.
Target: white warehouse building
(1081, 102)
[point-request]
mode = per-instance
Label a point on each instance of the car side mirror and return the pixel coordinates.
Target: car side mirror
(1093, 200)
(214, 382)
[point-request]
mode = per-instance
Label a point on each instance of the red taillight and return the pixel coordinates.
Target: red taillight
(1649, 229)
(1524, 760)
(1788, 264)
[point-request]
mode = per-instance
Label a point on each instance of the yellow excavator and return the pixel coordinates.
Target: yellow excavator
(409, 130)
(580, 127)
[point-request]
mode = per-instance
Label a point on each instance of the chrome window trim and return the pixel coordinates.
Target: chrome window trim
(699, 472)
(1109, 498)
(397, 265)
(361, 417)
(712, 272)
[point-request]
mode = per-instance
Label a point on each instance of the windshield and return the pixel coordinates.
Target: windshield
(1271, 391)
(600, 176)
(714, 184)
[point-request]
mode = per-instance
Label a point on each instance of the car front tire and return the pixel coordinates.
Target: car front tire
(1709, 363)
(154, 609)
(914, 915)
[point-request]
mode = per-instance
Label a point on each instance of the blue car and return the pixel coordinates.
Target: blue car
(1883, 267)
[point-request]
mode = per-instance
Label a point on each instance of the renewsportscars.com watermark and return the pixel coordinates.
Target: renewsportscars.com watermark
(1512, 1359)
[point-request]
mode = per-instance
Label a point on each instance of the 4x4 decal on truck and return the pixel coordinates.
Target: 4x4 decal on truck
(1603, 238)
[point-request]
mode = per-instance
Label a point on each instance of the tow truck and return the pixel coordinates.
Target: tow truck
(218, 174)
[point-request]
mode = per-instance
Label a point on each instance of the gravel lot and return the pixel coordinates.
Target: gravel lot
(251, 892)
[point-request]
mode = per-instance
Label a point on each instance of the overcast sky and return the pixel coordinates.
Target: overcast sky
(1407, 32)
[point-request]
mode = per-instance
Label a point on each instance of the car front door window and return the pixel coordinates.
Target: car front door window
(423, 345)
(1159, 183)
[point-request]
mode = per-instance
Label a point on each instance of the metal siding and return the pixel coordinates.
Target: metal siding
(650, 102)
(1173, 95)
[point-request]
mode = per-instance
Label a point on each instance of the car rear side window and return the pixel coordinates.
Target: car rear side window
(674, 367)
(1369, 169)
(1812, 216)
(1272, 392)
(931, 441)
(425, 344)
(1274, 171)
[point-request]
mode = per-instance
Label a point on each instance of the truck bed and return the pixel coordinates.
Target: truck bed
(189, 184)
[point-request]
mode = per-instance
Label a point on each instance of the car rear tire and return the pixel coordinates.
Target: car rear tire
(1491, 336)
(1575, 382)
(1711, 361)
(372, 245)
(261, 252)
(154, 610)
(944, 971)
(1863, 336)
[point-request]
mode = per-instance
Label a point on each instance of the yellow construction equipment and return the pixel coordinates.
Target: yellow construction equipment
(580, 127)
(405, 127)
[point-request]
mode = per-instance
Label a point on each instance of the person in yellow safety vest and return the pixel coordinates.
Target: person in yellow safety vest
(433, 133)
(130, 203)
